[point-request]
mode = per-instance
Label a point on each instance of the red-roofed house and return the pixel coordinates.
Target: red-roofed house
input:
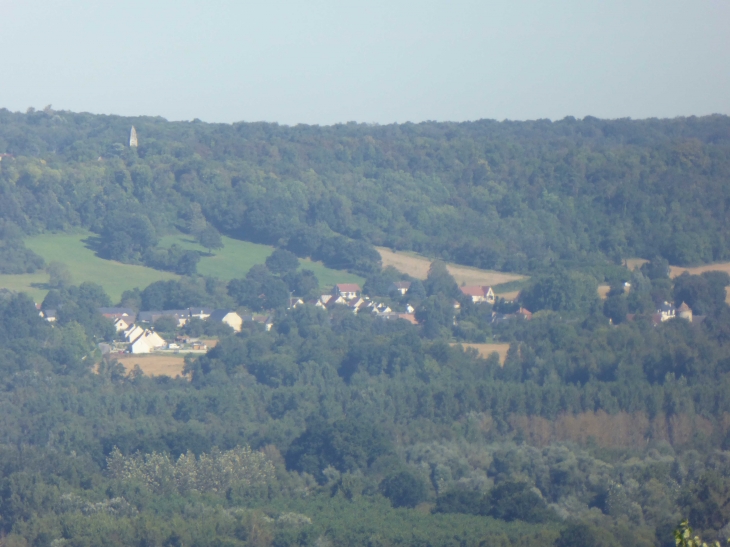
(347, 290)
(479, 293)
(524, 313)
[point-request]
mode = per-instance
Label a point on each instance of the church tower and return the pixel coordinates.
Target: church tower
(133, 138)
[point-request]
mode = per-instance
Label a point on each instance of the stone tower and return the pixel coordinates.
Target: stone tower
(133, 138)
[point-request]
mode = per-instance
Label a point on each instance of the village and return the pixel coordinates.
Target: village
(137, 333)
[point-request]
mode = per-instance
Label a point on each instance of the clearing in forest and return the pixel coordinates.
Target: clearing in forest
(485, 350)
(76, 251)
(154, 365)
(417, 266)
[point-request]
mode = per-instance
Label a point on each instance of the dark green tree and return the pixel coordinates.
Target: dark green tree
(404, 489)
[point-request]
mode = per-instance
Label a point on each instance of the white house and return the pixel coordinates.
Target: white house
(478, 293)
(133, 332)
(123, 323)
(230, 318)
(666, 312)
(348, 291)
(146, 342)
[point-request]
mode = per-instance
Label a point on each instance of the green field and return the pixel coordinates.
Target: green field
(234, 260)
(237, 257)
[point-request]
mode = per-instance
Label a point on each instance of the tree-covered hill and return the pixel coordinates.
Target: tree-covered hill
(504, 195)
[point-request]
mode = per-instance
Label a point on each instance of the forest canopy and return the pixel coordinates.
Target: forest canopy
(504, 195)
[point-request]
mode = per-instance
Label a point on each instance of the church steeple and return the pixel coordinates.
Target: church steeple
(133, 138)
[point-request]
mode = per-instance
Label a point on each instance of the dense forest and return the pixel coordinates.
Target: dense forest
(603, 426)
(505, 195)
(343, 429)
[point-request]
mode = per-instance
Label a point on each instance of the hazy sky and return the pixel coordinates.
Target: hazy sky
(322, 62)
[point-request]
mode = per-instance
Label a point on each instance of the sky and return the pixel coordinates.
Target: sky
(325, 62)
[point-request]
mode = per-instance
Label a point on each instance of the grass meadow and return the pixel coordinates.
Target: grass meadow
(76, 251)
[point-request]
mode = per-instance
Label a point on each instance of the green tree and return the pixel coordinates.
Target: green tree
(561, 290)
(59, 275)
(435, 314)
(404, 489)
(210, 238)
(282, 261)
(440, 281)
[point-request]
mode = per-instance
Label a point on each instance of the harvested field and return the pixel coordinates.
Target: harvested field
(417, 266)
(512, 295)
(485, 350)
(675, 271)
(154, 365)
(603, 291)
(632, 263)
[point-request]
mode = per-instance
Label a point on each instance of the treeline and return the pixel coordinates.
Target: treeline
(505, 195)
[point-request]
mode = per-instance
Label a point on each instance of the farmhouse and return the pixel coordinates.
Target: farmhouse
(479, 293)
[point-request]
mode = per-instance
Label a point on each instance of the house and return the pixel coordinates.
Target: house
(229, 317)
(524, 313)
(133, 332)
(116, 313)
(392, 316)
(181, 316)
(479, 293)
(666, 312)
(49, 315)
(400, 287)
(200, 313)
(266, 320)
(348, 291)
(685, 312)
(335, 301)
(356, 303)
(123, 323)
(146, 342)
(381, 308)
(294, 302)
